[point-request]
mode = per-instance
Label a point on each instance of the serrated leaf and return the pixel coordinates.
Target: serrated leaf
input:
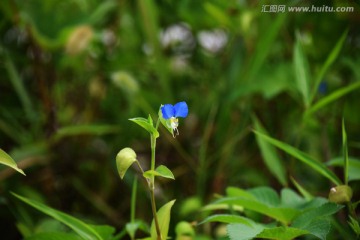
(82, 229)
(160, 171)
(319, 227)
(354, 224)
(124, 159)
(282, 233)
(270, 156)
(163, 215)
(266, 195)
(144, 123)
(8, 161)
(325, 210)
(315, 165)
(226, 218)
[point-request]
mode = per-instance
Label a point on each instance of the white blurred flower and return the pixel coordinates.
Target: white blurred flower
(213, 41)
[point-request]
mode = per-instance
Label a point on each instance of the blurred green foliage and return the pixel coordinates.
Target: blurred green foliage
(74, 71)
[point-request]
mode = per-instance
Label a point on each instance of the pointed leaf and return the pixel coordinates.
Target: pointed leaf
(301, 69)
(8, 161)
(354, 167)
(270, 156)
(84, 230)
(325, 210)
(227, 218)
(164, 220)
(160, 171)
(315, 165)
(164, 172)
(281, 214)
(243, 232)
(282, 233)
(332, 97)
(124, 159)
(148, 126)
(329, 61)
(302, 190)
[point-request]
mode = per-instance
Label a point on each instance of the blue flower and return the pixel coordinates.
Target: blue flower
(171, 113)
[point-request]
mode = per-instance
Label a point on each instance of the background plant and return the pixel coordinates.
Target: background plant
(64, 107)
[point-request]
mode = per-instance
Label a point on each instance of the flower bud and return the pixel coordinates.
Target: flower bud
(124, 159)
(340, 194)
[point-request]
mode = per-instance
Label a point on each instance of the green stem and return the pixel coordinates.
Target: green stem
(152, 187)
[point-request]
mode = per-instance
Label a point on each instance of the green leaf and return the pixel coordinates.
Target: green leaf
(144, 123)
(315, 165)
(266, 195)
(353, 170)
(282, 233)
(160, 171)
(106, 232)
(270, 156)
(124, 159)
(238, 192)
(82, 229)
(354, 224)
(302, 190)
(86, 129)
(345, 154)
(332, 97)
(54, 236)
(319, 227)
(243, 232)
(226, 218)
(329, 61)
(8, 161)
(184, 229)
(301, 70)
(289, 198)
(305, 219)
(217, 206)
(282, 214)
(164, 220)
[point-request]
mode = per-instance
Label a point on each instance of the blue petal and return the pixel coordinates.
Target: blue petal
(168, 111)
(181, 109)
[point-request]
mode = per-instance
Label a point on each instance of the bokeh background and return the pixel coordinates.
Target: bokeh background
(74, 71)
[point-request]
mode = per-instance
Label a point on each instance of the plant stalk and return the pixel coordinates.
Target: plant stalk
(152, 187)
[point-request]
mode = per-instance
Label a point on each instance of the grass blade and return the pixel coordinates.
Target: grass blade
(345, 153)
(302, 74)
(270, 156)
(8, 161)
(81, 228)
(316, 165)
(329, 61)
(332, 97)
